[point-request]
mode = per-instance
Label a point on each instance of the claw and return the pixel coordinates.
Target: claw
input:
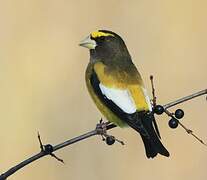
(101, 129)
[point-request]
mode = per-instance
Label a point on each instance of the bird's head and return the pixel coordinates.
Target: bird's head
(104, 43)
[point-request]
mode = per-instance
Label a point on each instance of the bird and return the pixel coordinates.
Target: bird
(117, 88)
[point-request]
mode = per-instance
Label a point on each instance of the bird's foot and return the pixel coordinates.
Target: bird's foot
(101, 129)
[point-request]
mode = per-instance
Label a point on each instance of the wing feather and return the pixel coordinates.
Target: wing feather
(122, 98)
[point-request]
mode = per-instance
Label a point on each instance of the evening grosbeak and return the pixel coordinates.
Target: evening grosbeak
(117, 89)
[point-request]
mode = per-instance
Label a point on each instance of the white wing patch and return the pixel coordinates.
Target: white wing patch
(121, 98)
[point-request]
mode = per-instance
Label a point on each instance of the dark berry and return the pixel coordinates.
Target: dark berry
(158, 109)
(173, 123)
(179, 113)
(110, 140)
(48, 148)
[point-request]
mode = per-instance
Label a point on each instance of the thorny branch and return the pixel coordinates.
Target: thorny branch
(181, 100)
(99, 130)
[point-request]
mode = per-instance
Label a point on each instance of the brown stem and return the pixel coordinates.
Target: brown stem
(43, 153)
(154, 100)
(189, 131)
(186, 98)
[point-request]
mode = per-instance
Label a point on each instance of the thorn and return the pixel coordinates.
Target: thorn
(48, 149)
(103, 138)
(40, 141)
(57, 158)
(119, 141)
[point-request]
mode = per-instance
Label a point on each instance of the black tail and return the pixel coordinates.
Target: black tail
(150, 137)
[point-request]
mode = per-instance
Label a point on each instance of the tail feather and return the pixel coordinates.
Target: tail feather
(149, 150)
(153, 145)
(151, 140)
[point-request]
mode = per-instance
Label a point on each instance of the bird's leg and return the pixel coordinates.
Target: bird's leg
(101, 129)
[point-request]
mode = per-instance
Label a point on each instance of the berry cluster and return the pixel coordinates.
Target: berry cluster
(174, 121)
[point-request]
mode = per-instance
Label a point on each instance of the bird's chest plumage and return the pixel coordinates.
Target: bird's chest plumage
(95, 93)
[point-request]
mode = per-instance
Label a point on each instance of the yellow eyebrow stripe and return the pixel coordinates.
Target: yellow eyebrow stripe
(96, 34)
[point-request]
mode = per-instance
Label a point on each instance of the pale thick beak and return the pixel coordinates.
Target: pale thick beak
(88, 43)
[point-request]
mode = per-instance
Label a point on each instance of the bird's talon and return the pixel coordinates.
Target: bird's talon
(101, 127)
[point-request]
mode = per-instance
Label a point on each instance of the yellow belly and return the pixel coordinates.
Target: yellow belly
(107, 113)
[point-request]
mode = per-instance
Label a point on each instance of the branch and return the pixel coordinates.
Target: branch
(186, 98)
(44, 152)
(99, 130)
(173, 123)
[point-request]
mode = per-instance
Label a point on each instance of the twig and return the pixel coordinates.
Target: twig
(181, 100)
(48, 149)
(154, 100)
(186, 98)
(97, 131)
(189, 131)
(43, 153)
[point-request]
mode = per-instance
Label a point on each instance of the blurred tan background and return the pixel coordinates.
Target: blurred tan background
(42, 85)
